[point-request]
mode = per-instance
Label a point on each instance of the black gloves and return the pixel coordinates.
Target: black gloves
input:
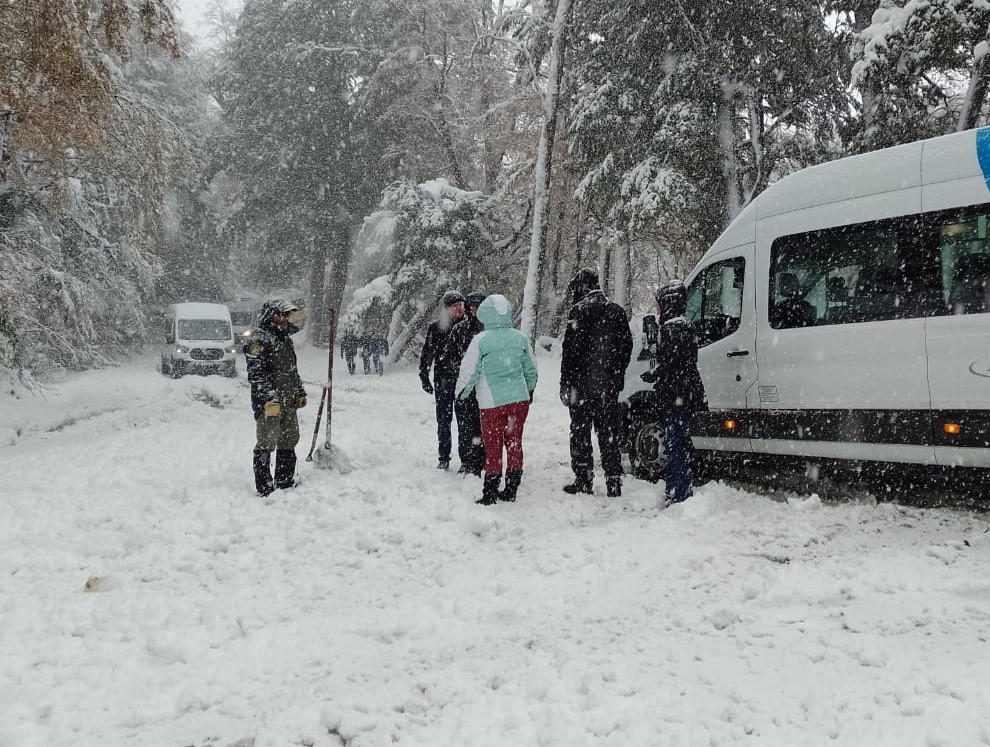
(565, 396)
(649, 377)
(424, 378)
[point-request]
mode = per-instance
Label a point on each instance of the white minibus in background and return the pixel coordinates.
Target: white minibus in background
(845, 315)
(198, 339)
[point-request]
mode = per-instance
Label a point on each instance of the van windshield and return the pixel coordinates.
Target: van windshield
(203, 329)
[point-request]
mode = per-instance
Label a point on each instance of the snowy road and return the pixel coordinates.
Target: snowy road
(383, 607)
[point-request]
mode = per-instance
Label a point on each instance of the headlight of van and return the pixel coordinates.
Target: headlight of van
(181, 349)
(231, 350)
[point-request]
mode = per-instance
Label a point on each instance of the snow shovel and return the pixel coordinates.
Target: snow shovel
(328, 456)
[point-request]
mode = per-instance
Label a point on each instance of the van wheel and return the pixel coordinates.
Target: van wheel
(230, 371)
(646, 455)
(164, 367)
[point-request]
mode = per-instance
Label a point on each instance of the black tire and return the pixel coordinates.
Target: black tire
(164, 368)
(174, 370)
(230, 371)
(645, 446)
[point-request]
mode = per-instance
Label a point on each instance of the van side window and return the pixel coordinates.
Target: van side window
(714, 301)
(848, 274)
(964, 251)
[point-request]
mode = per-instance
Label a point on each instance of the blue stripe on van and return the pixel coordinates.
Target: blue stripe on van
(983, 152)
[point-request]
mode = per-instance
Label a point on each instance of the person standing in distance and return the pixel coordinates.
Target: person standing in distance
(677, 382)
(594, 357)
(276, 393)
(500, 366)
(470, 447)
(349, 348)
(444, 374)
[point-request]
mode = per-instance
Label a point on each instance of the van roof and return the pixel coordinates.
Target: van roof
(954, 156)
(200, 310)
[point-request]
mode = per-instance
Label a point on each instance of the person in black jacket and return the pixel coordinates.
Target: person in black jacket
(470, 448)
(595, 354)
(349, 345)
(276, 393)
(444, 373)
(677, 382)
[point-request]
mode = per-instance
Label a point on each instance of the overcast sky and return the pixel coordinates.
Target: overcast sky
(192, 15)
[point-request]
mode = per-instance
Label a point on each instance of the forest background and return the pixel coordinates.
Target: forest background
(374, 153)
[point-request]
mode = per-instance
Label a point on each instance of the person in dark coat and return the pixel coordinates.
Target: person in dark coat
(366, 347)
(677, 382)
(378, 346)
(444, 374)
(470, 448)
(595, 354)
(276, 393)
(349, 345)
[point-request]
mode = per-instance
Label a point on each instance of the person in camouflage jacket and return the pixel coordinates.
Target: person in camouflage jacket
(276, 394)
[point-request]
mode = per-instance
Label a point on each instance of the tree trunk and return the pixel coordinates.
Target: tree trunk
(976, 94)
(541, 177)
(318, 322)
(727, 145)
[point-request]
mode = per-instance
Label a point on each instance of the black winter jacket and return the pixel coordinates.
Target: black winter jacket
(434, 353)
(459, 339)
(596, 348)
(272, 369)
(675, 378)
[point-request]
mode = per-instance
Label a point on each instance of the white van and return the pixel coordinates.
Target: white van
(845, 314)
(198, 339)
(244, 314)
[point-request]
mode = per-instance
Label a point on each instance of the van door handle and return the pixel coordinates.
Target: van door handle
(736, 353)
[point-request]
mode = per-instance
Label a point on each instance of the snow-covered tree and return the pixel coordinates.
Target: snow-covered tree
(423, 240)
(684, 112)
(923, 70)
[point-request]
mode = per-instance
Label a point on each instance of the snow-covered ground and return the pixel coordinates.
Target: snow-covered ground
(148, 597)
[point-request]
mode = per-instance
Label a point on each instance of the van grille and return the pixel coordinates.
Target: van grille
(206, 354)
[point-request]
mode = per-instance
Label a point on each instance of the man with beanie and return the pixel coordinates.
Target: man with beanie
(594, 357)
(470, 447)
(444, 373)
(677, 382)
(276, 393)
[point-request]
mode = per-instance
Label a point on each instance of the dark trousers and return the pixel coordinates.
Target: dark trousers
(367, 363)
(350, 364)
(470, 448)
(599, 411)
(676, 444)
(443, 393)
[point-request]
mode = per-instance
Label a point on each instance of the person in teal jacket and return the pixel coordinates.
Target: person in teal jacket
(500, 368)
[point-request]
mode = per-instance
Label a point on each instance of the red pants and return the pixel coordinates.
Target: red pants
(503, 426)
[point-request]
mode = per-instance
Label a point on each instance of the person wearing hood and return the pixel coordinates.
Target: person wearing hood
(276, 393)
(470, 448)
(594, 356)
(677, 382)
(444, 373)
(500, 368)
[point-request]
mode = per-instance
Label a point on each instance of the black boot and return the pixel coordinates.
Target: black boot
(613, 486)
(581, 484)
(285, 468)
(512, 479)
(263, 472)
(489, 492)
